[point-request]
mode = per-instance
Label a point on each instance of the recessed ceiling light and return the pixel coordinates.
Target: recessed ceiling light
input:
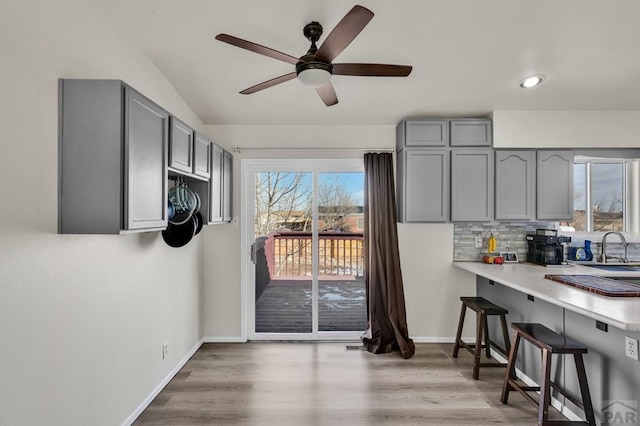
(531, 81)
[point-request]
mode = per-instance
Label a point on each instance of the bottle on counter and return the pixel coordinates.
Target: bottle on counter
(587, 250)
(577, 253)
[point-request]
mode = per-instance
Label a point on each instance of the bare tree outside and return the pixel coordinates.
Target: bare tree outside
(606, 191)
(283, 202)
(336, 204)
(609, 218)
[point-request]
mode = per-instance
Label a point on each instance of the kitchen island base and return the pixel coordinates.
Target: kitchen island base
(614, 379)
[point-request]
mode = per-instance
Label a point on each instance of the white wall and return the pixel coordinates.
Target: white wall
(432, 286)
(566, 129)
(82, 318)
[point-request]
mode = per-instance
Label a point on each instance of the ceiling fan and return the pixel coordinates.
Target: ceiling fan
(315, 67)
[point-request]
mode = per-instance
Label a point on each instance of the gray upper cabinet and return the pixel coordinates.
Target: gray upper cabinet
(423, 185)
(180, 146)
(113, 145)
(201, 160)
(422, 133)
(470, 132)
(220, 185)
(554, 185)
(439, 178)
(472, 180)
(515, 185)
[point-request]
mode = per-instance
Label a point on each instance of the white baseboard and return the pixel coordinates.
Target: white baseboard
(132, 418)
(419, 339)
(422, 339)
(224, 339)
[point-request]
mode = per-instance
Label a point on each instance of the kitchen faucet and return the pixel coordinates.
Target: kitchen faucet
(604, 257)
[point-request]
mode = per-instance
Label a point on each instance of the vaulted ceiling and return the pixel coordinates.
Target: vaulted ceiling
(467, 56)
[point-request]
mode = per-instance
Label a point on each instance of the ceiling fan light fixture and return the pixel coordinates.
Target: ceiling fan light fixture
(314, 74)
(531, 81)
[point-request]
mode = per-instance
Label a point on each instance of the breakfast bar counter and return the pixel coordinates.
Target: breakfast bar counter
(602, 323)
(619, 312)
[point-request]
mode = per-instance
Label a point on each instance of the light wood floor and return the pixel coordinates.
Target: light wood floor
(326, 384)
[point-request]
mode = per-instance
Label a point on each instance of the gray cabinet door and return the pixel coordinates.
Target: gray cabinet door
(215, 185)
(145, 147)
(554, 185)
(227, 185)
(201, 160)
(423, 185)
(470, 132)
(113, 159)
(180, 146)
(472, 185)
(515, 185)
(421, 133)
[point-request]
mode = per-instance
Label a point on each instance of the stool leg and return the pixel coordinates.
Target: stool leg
(487, 346)
(511, 368)
(456, 346)
(505, 334)
(584, 389)
(480, 318)
(545, 388)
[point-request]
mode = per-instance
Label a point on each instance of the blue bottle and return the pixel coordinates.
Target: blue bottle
(587, 250)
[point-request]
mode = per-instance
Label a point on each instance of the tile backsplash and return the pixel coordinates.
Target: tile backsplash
(511, 236)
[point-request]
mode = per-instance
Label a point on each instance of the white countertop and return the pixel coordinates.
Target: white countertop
(620, 312)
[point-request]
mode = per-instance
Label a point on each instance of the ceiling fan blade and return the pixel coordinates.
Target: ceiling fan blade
(372, 70)
(253, 47)
(269, 83)
(327, 94)
(344, 33)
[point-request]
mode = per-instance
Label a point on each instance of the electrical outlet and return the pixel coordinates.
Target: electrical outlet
(478, 242)
(165, 350)
(631, 347)
(602, 326)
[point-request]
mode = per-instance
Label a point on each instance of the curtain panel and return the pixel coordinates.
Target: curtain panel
(387, 320)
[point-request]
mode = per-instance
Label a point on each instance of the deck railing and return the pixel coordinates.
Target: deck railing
(339, 254)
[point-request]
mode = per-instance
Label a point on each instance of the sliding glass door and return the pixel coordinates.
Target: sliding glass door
(306, 270)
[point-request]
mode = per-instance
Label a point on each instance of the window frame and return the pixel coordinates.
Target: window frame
(626, 193)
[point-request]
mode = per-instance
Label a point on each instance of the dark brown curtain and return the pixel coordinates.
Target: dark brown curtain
(387, 330)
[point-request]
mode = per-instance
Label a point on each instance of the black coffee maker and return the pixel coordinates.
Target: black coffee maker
(545, 247)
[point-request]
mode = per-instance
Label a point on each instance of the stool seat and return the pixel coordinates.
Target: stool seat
(480, 304)
(549, 342)
(545, 338)
(483, 308)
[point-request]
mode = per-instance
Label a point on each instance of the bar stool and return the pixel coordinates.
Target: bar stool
(483, 308)
(550, 343)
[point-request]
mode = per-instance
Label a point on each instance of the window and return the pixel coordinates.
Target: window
(600, 195)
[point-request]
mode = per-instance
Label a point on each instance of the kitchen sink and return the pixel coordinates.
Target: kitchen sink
(630, 280)
(617, 267)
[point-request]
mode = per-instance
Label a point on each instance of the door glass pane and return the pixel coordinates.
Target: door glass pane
(341, 305)
(282, 252)
(607, 196)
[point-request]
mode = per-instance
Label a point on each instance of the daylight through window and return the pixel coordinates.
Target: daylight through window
(600, 195)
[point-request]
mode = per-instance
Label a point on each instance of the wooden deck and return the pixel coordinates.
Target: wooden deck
(285, 306)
